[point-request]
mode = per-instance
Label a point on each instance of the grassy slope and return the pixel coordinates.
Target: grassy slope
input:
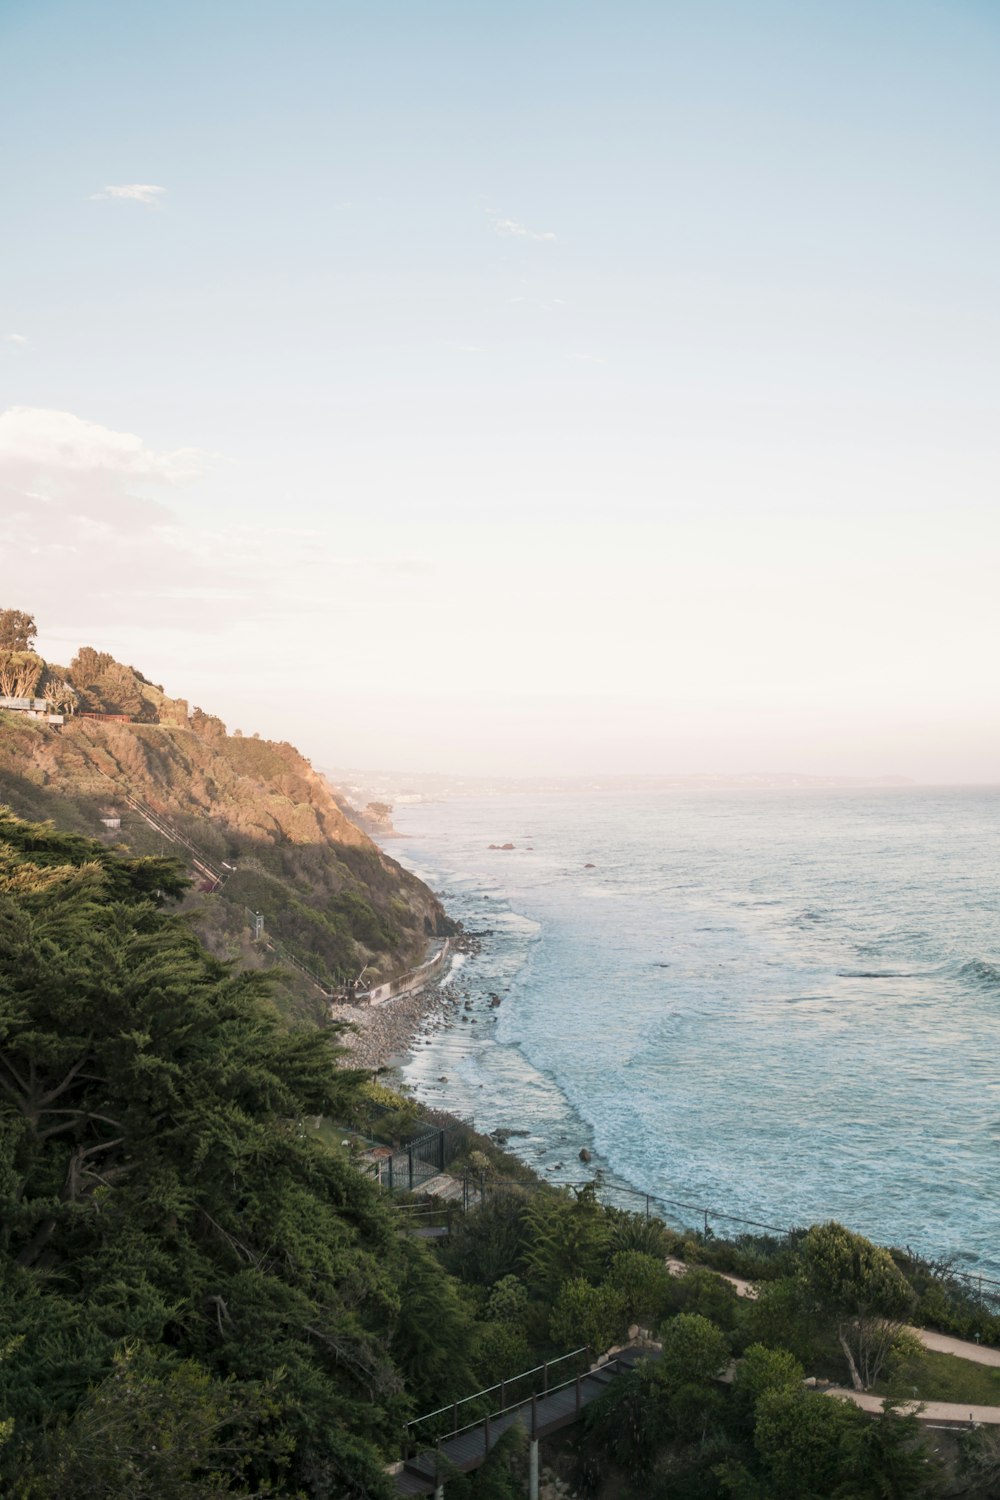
(944, 1377)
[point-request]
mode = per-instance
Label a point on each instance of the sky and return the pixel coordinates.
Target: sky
(514, 388)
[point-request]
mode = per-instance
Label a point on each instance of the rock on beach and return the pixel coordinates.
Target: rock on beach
(383, 1031)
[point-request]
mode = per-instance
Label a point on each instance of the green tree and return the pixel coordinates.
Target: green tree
(20, 672)
(499, 1351)
(693, 1350)
(642, 1282)
(890, 1459)
(568, 1237)
(154, 1187)
(815, 1447)
(508, 1300)
(17, 630)
(761, 1370)
(695, 1353)
(804, 1442)
(703, 1291)
(630, 1422)
(433, 1334)
(586, 1314)
(860, 1285)
(630, 1231)
(490, 1243)
(159, 1427)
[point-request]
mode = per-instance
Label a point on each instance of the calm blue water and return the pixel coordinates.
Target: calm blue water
(782, 1005)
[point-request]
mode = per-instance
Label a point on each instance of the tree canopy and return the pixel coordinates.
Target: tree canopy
(158, 1194)
(199, 1298)
(17, 630)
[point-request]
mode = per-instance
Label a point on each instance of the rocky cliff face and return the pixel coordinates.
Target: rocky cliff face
(254, 810)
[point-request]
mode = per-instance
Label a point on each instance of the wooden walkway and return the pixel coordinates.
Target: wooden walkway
(539, 1416)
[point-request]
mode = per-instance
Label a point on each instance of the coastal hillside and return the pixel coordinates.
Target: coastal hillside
(261, 831)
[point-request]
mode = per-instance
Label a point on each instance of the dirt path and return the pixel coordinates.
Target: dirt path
(927, 1411)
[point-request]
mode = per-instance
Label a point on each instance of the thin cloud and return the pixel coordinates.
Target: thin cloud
(37, 439)
(16, 338)
(99, 553)
(520, 231)
(136, 192)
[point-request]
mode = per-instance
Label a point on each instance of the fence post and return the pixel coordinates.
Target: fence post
(409, 1162)
(545, 1378)
(454, 1416)
(486, 1433)
(578, 1395)
(706, 1223)
(503, 1394)
(534, 1417)
(647, 1205)
(391, 1160)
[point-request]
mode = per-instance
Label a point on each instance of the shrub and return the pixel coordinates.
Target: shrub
(643, 1282)
(585, 1314)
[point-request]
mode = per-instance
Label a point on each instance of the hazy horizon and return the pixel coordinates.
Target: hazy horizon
(515, 390)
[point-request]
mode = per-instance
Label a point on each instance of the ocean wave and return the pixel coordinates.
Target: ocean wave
(878, 974)
(706, 1065)
(981, 972)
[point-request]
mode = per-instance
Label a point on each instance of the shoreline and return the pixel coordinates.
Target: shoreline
(384, 1035)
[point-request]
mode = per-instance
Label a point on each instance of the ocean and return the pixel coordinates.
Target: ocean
(780, 1005)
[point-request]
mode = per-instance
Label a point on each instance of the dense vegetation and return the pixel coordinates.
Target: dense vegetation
(201, 1295)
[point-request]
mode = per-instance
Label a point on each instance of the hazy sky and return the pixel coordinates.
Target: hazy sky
(514, 386)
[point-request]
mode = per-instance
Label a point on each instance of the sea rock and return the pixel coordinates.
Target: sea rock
(584, 1154)
(633, 1330)
(590, 867)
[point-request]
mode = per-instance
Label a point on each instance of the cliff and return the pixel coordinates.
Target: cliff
(260, 829)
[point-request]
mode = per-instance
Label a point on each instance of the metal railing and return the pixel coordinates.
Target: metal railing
(503, 1387)
(986, 1287)
(163, 826)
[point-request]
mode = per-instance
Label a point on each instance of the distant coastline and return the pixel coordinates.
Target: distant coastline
(401, 787)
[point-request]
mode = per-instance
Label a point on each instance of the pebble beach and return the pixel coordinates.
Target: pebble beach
(382, 1034)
